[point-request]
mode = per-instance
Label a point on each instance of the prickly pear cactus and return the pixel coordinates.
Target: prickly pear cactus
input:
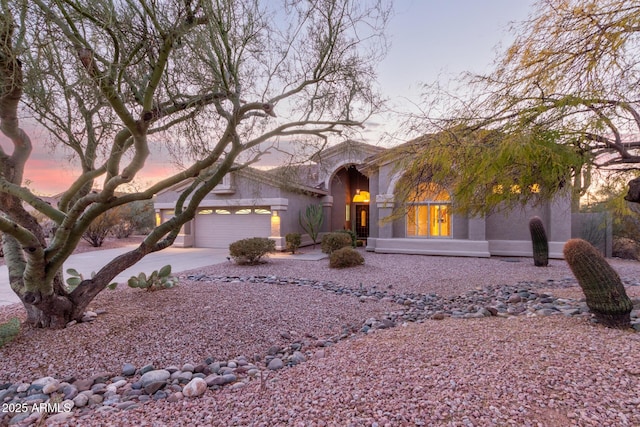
(158, 279)
(604, 291)
(540, 242)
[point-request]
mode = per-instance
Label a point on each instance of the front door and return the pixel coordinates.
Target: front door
(362, 221)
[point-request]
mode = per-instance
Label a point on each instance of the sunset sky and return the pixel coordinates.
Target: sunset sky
(431, 40)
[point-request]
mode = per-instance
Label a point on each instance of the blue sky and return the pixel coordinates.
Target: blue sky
(431, 39)
(437, 40)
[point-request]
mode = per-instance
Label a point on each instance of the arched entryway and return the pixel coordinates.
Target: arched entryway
(350, 191)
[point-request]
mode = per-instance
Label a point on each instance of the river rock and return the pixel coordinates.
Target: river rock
(275, 364)
(158, 375)
(195, 388)
(128, 370)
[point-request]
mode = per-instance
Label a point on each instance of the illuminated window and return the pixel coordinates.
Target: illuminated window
(243, 211)
(167, 215)
(429, 212)
(361, 197)
(223, 212)
(205, 211)
(515, 189)
(262, 211)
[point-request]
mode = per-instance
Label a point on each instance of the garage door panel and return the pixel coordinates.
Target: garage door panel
(215, 230)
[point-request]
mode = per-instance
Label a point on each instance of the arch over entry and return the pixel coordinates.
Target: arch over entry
(350, 191)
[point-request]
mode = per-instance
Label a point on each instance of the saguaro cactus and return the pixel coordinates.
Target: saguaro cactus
(604, 291)
(539, 241)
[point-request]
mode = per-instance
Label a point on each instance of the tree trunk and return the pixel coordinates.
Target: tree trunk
(57, 310)
(46, 311)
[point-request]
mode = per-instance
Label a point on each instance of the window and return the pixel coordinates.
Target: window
(262, 211)
(225, 186)
(223, 212)
(168, 214)
(429, 212)
(243, 211)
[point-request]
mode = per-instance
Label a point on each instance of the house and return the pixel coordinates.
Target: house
(355, 184)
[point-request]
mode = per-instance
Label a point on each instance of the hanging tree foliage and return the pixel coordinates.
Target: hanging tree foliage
(562, 101)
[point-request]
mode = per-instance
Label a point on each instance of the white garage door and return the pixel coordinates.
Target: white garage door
(219, 227)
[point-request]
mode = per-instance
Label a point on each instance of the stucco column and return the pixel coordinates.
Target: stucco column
(276, 227)
(384, 204)
(327, 208)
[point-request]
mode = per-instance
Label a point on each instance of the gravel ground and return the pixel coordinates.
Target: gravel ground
(553, 371)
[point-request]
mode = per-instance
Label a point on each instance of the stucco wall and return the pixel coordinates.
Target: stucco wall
(242, 188)
(289, 220)
(459, 227)
(514, 224)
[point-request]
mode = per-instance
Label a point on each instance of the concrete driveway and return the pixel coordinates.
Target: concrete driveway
(181, 259)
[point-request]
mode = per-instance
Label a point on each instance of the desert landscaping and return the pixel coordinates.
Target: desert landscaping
(400, 340)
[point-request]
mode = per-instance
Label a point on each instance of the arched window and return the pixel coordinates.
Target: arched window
(429, 212)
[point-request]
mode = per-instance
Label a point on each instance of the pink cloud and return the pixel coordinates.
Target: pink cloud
(51, 176)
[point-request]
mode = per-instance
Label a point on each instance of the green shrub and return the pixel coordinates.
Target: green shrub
(345, 257)
(333, 241)
(293, 241)
(158, 279)
(352, 235)
(9, 330)
(250, 251)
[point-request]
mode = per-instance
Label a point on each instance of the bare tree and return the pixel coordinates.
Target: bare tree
(215, 79)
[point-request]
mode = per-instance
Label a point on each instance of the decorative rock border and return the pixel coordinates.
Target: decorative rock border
(28, 403)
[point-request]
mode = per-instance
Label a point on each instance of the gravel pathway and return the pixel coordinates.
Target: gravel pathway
(512, 370)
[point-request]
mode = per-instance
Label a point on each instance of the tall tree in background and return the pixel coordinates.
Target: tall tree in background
(216, 78)
(563, 100)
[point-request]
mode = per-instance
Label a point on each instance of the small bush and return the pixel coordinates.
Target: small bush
(626, 248)
(9, 330)
(293, 242)
(345, 257)
(250, 251)
(122, 230)
(100, 228)
(333, 241)
(352, 235)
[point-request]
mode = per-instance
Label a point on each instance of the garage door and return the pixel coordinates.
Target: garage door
(217, 227)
